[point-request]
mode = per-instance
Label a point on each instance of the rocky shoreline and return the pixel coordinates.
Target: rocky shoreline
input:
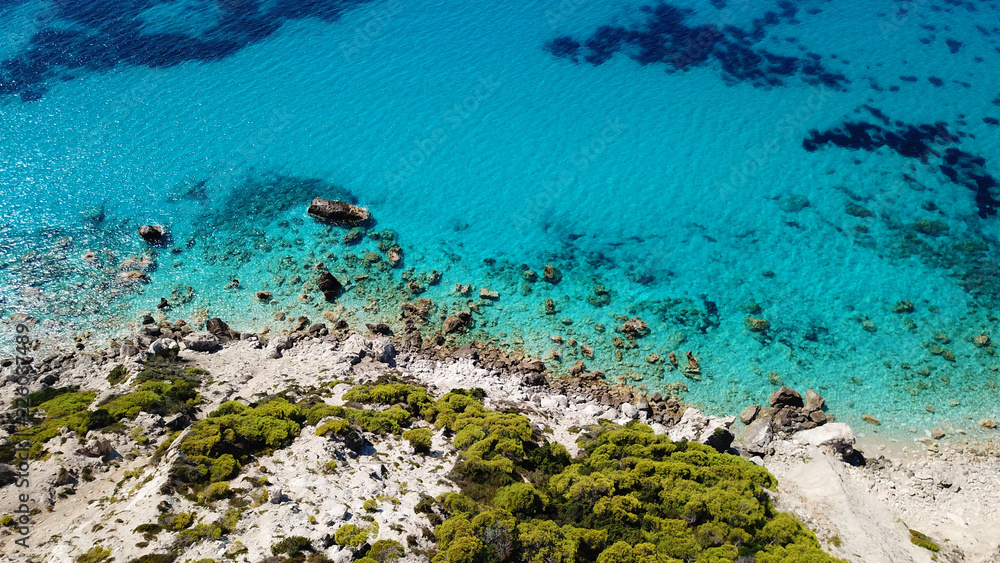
(861, 504)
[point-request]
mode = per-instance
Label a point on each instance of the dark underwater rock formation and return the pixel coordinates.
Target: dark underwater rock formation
(919, 142)
(330, 286)
(665, 37)
(151, 233)
(338, 212)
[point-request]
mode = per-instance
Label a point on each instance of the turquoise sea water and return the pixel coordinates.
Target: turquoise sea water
(704, 161)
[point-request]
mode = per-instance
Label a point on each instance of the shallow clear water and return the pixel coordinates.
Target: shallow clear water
(679, 180)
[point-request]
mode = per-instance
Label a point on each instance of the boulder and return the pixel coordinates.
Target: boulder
(384, 351)
(819, 417)
(151, 233)
(786, 396)
(628, 410)
(99, 447)
(456, 323)
(279, 344)
(836, 435)
(177, 421)
(318, 330)
(219, 328)
(201, 341)
(379, 329)
(758, 437)
(814, 401)
(695, 426)
(749, 414)
(330, 286)
(161, 344)
(534, 379)
(338, 212)
(355, 348)
(532, 364)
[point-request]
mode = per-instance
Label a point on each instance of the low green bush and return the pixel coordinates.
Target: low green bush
(217, 447)
(419, 439)
(350, 535)
(631, 496)
(293, 546)
(386, 551)
(65, 407)
(95, 554)
(117, 375)
(921, 539)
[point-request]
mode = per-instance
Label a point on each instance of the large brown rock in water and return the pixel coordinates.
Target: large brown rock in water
(330, 286)
(785, 396)
(338, 212)
(151, 233)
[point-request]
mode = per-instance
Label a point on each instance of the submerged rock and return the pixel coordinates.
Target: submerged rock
(152, 233)
(330, 286)
(904, 306)
(635, 327)
(338, 212)
(457, 322)
(870, 418)
(551, 274)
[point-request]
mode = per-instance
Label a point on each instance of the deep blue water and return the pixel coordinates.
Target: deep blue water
(807, 163)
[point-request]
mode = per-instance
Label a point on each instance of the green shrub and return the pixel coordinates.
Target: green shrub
(350, 535)
(293, 546)
(335, 426)
(631, 496)
(216, 491)
(520, 499)
(920, 539)
(148, 531)
(198, 533)
(175, 522)
(117, 375)
(7, 521)
(65, 407)
(94, 555)
(217, 447)
(370, 505)
(155, 558)
(425, 505)
(419, 438)
(386, 551)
